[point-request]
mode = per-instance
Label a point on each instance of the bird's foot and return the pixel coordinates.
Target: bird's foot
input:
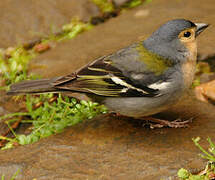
(159, 123)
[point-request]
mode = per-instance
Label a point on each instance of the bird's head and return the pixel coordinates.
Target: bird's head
(176, 39)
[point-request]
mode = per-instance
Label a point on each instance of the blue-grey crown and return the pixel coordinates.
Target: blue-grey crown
(171, 29)
(164, 41)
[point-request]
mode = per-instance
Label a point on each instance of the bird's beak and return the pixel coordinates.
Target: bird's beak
(200, 27)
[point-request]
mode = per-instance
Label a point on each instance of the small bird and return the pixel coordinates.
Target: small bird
(140, 80)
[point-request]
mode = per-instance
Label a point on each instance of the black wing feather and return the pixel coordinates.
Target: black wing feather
(102, 78)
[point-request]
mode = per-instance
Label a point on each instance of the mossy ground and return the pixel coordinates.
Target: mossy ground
(49, 118)
(209, 171)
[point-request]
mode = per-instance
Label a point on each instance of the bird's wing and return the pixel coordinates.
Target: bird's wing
(103, 78)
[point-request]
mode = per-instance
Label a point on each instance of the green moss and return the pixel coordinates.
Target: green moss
(104, 5)
(63, 113)
(133, 3)
(201, 68)
(209, 170)
(183, 173)
(14, 61)
(196, 82)
(50, 118)
(74, 28)
(153, 62)
(15, 67)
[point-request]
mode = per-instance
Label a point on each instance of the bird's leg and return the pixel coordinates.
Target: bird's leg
(114, 114)
(178, 123)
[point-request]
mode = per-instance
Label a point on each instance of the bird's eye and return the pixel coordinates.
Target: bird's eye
(187, 34)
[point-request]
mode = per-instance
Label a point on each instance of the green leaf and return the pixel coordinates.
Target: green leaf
(183, 173)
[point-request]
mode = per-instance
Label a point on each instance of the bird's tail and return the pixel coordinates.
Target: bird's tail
(32, 86)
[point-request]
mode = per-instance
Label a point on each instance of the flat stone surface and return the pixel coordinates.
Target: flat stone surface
(32, 19)
(127, 28)
(113, 148)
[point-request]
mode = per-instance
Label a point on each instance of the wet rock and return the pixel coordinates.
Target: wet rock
(8, 170)
(204, 72)
(88, 10)
(32, 19)
(124, 30)
(142, 13)
(3, 126)
(206, 92)
(2, 110)
(204, 78)
(113, 148)
(8, 105)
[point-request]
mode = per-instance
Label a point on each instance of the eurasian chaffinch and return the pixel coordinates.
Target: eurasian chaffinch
(140, 80)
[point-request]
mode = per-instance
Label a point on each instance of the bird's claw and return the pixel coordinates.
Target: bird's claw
(178, 123)
(159, 123)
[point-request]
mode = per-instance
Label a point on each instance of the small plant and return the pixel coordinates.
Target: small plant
(14, 61)
(13, 177)
(50, 118)
(209, 171)
(104, 5)
(74, 28)
(132, 4)
(14, 68)
(201, 68)
(210, 154)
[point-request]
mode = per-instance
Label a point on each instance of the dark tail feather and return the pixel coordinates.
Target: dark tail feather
(32, 86)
